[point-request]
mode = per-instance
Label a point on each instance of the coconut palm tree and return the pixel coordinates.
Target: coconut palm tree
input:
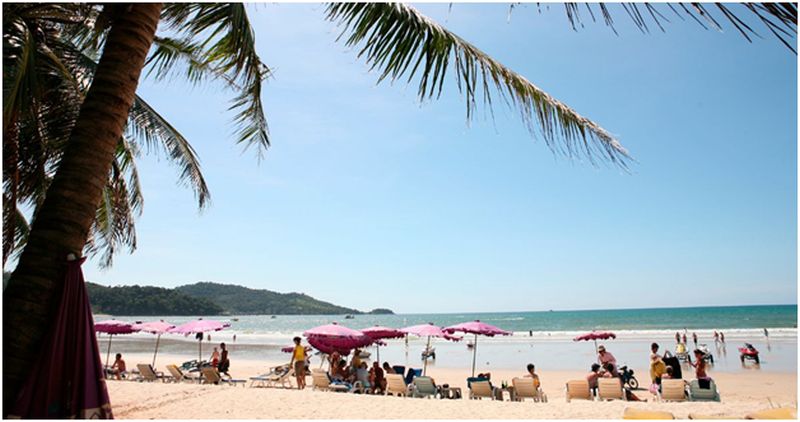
(42, 98)
(395, 39)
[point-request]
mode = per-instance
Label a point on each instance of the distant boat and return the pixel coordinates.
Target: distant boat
(234, 319)
(349, 316)
(272, 317)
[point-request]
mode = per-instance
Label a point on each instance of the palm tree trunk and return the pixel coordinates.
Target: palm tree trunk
(63, 222)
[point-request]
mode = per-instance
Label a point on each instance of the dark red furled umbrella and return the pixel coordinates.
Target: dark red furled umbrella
(67, 380)
(594, 336)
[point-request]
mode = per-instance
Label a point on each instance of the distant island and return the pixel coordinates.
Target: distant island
(206, 298)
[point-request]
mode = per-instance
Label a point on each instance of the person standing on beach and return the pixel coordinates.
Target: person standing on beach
(657, 366)
(677, 337)
(766, 334)
(299, 361)
(684, 338)
(224, 362)
(722, 337)
(716, 337)
(694, 338)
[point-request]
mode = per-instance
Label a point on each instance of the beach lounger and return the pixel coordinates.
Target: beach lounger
(147, 373)
(703, 394)
(396, 385)
(423, 387)
(524, 388)
(321, 381)
(481, 390)
(777, 413)
(212, 376)
(279, 376)
(578, 389)
(633, 413)
(412, 373)
(180, 376)
(672, 390)
(610, 389)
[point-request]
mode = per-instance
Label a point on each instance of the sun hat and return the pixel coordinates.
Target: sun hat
(601, 348)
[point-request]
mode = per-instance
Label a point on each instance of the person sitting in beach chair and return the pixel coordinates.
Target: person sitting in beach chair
(532, 374)
(376, 378)
(609, 371)
(118, 369)
(412, 373)
(592, 376)
(362, 377)
(387, 369)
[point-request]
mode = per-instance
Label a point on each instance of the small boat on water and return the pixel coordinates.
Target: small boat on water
(349, 316)
(272, 317)
(235, 319)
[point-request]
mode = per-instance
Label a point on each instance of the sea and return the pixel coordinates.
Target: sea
(542, 337)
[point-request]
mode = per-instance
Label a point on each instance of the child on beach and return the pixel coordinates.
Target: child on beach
(532, 374)
(118, 368)
(215, 358)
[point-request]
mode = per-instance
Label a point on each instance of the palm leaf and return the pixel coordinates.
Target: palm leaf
(398, 41)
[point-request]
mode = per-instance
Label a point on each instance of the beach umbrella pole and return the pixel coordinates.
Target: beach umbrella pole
(425, 361)
(474, 354)
(378, 352)
(199, 351)
(108, 353)
(156, 352)
(596, 355)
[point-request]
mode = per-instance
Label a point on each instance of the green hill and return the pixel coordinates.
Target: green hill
(243, 300)
(147, 300)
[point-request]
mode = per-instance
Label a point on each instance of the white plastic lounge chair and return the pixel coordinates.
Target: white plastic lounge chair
(610, 389)
(396, 385)
(423, 387)
(524, 388)
(212, 376)
(578, 389)
(279, 376)
(703, 394)
(481, 390)
(672, 390)
(180, 376)
(147, 373)
(321, 381)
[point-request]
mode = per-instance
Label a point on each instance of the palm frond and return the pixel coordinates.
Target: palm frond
(779, 18)
(227, 48)
(399, 41)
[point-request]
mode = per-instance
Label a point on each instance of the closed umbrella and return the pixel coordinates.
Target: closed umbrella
(377, 333)
(427, 330)
(155, 327)
(594, 336)
(477, 328)
(66, 382)
(112, 327)
(200, 326)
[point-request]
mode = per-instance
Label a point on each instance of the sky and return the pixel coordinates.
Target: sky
(369, 198)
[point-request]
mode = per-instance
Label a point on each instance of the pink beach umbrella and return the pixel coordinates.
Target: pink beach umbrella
(155, 327)
(477, 328)
(200, 326)
(378, 333)
(594, 336)
(427, 330)
(334, 337)
(112, 327)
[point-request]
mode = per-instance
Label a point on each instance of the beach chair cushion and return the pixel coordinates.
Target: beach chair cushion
(777, 413)
(481, 389)
(703, 394)
(633, 413)
(396, 385)
(147, 373)
(179, 375)
(212, 376)
(610, 389)
(424, 387)
(525, 388)
(673, 390)
(578, 389)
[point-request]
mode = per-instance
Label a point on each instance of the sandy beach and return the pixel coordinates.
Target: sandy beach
(742, 392)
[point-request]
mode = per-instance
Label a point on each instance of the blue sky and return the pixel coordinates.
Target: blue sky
(370, 199)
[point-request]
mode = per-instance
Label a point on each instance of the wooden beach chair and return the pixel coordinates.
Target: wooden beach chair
(524, 388)
(396, 385)
(610, 389)
(578, 389)
(180, 376)
(672, 390)
(703, 394)
(481, 390)
(321, 381)
(423, 387)
(147, 373)
(210, 375)
(633, 413)
(279, 376)
(777, 413)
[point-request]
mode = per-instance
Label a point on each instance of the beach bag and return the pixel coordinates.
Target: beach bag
(654, 388)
